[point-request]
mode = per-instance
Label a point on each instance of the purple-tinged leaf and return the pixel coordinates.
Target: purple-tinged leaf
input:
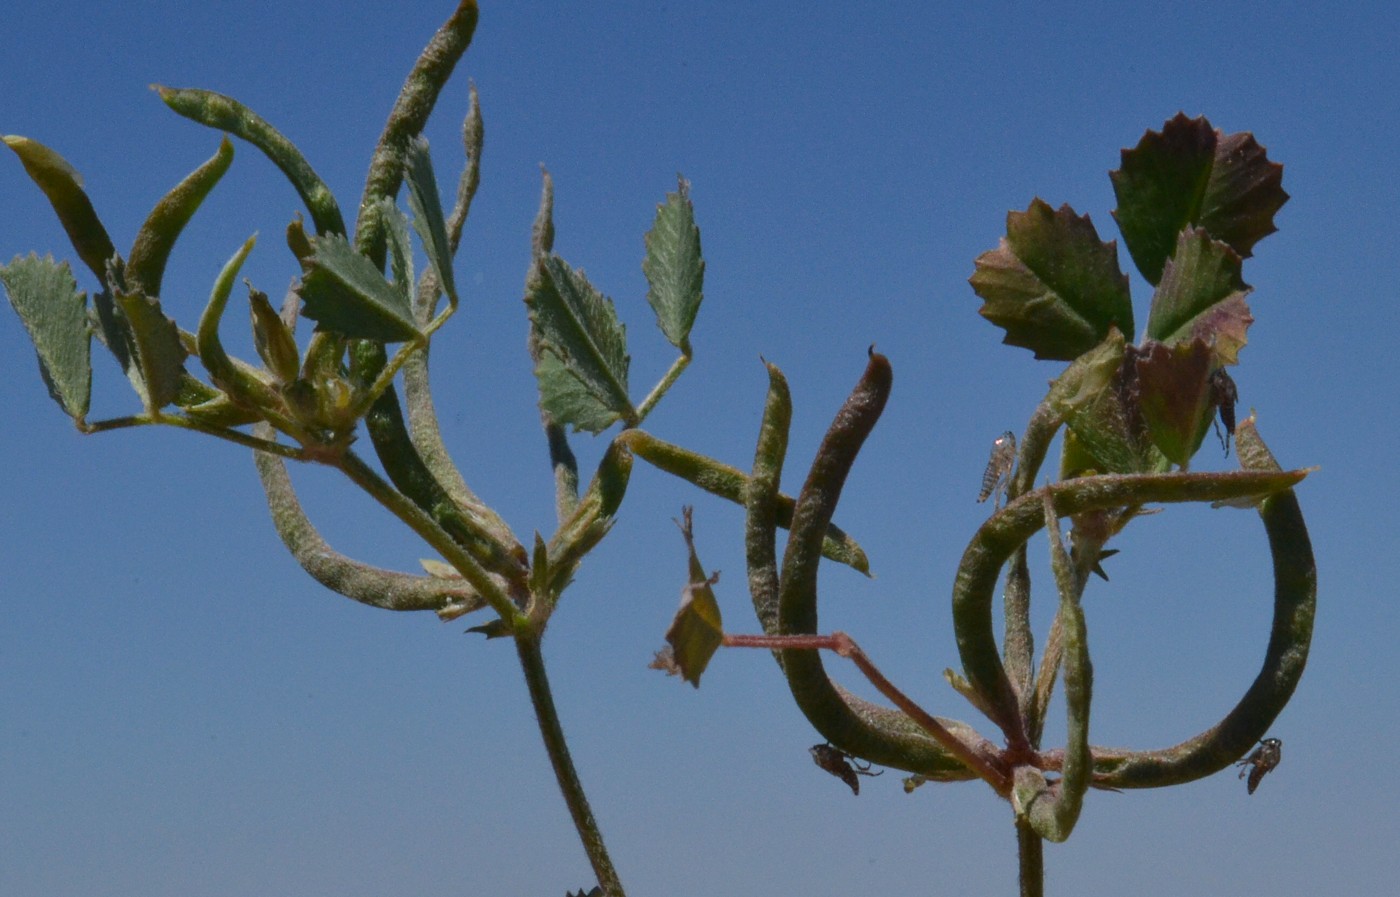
(1191, 175)
(1201, 296)
(1052, 285)
(1174, 395)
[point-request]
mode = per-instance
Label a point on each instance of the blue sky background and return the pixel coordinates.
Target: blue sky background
(184, 712)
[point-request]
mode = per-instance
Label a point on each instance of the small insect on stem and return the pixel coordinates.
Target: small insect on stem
(997, 476)
(841, 764)
(1265, 757)
(1224, 395)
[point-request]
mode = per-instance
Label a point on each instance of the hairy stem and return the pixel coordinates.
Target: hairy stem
(1031, 850)
(527, 646)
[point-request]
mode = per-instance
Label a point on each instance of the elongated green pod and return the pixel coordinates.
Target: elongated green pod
(407, 119)
(63, 186)
(994, 542)
(361, 582)
(761, 501)
(227, 114)
(497, 551)
(870, 731)
(592, 516)
(732, 484)
(1052, 810)
(145, 266)
(1295, 603)
(229, 376)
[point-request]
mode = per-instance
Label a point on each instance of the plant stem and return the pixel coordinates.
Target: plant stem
(1032, 852)
(842, 644)
(527, 646)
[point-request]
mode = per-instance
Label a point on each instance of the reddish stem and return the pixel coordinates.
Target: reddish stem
(845, 646)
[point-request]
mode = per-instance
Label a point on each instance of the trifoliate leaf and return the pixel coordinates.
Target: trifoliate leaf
(578, 326)
(346, 294)
(157, 347)
(1174, 396)
(1052, 285)
(1201, 297)
(674, 268)
(1191, 175)
(46, 297)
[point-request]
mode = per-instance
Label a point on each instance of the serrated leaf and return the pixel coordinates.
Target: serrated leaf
(1191, 175)
(1174, 395)
(157, 348)
(1052, 285)
(428, 218)
(566, 399)
(578, 327)
(346, 294)
(674, 267)
(63, 186)
(46, 298)
(1201, 296)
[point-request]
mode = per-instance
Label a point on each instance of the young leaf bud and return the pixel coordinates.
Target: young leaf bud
(272, 339)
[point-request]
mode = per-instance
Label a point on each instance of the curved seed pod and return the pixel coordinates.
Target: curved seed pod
(499, 552)
(227, 114)
(235, 379)
(361, 582)
(592, 517)
(877, 734)
(1295, 602)
(145, 266)
(407, 119)
(1052, 810)
(761, 501)
(994, 542)
(731, 483)
(63, 186)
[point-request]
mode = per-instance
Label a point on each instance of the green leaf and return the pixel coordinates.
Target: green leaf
(63, 186)
(157, 347)
(145, 266)
(46, 297)
(1052, 285)
(400, 249)
(1201, 297)
(565, 399)
(1191, 175)
(697, 631)
(1175, 397)
(578, 326)
(674, 268)
(1096, 398)
(346, 294)
(428, 218)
